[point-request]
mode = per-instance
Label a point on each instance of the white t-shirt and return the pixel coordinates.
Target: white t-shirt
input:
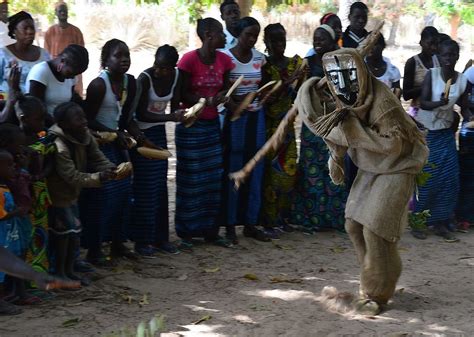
(391, 75)
(6, 56)
(441, 117)
(56, 92)
(469, 73)
(230, 40)
(252, 72)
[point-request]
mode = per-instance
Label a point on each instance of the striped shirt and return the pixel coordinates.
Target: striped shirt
(252, 72)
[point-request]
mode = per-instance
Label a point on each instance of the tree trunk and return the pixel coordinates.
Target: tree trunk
(454, 22)
(393, 31)
(245, 7)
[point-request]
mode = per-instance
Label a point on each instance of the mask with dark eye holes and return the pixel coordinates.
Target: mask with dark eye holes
(342, 75)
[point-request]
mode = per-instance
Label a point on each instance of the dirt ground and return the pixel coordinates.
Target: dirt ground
(434, 298)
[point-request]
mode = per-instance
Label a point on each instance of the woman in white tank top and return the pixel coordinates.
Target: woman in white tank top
(440, 193)
(105, 211)
(158, 87)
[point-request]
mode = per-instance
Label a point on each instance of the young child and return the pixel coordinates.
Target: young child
(31, 113)
(9, 235)
(12, 140)
(77, 154)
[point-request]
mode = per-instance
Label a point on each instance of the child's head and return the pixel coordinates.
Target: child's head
(429, 40)
(115, 56)
(248, 30)
(31, 113)
(71, 119)
(12, 139)
(274, 36)
(448, 53)
(334, 22)
(166, 58)
(7, 165)
(210, 31)
(230, 13)
(358, 15)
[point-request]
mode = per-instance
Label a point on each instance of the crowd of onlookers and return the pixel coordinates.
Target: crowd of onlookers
(65, 175)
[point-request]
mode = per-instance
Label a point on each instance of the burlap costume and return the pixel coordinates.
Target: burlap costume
(389, 150)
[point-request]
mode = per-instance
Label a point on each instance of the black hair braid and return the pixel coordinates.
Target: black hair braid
(15, 19)
(78, 56)
(169, 53)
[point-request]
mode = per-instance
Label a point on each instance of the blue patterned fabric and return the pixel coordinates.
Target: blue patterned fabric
(318, 203)
(9, 228)
(149, 223)
(243, 138)
(465, 208)
(105, 211)
(198, 178)
(440, 194)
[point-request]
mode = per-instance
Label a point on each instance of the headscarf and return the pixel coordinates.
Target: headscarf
(15, 19)
(328, 29)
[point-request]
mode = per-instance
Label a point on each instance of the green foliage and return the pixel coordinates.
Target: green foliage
(417, 220)
(448, 8)
(196, 8)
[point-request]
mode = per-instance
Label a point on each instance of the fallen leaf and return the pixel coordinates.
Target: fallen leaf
(279, 246)
(127, 298)
(202, 319)
(144, 300)
(403, 249)
(251, 277)
(212, 270)
(277, 279)
(71, 322)
(401, 290)
(183, 277)
(338, 249)
(322, 270)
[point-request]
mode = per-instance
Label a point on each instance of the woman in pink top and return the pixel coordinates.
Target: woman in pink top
(199, 169)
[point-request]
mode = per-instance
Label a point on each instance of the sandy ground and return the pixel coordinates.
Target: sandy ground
(434, 297)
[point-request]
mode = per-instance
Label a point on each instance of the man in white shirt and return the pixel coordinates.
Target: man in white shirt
(230, 13)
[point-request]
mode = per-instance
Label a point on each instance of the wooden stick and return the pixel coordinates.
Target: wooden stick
(248, 100)
(273, 143)
(271, 91)
(193, 112)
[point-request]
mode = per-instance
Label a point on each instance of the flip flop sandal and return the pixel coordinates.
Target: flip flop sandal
(7, 309)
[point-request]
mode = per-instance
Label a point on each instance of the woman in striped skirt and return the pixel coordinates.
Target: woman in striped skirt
(199, 169)
(157, 86)
(440, 194)
(105, 211)
(245, 136)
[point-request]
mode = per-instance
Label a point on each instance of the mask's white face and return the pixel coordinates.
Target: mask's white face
(343, 77)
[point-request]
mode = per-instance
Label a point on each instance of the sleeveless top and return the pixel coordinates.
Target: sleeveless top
(157, 104)
(110, 109)
(443, 116)
(420, 72)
